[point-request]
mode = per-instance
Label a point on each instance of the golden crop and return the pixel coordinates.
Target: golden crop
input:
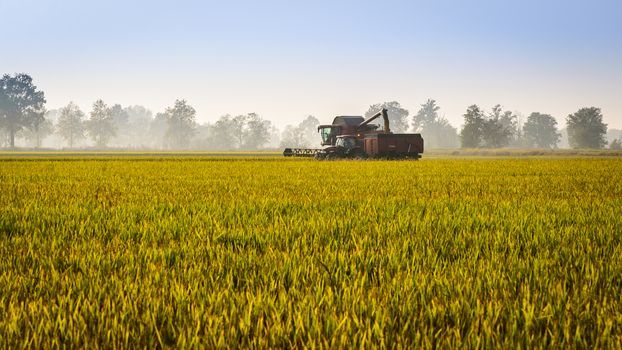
(272, 252)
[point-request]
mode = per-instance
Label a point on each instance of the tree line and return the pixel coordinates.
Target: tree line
(500, 128)
(23, 116)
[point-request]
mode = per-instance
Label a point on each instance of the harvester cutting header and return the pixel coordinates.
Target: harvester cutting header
(354, 137)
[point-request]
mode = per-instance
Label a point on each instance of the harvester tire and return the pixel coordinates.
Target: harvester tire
(320, 156)
(332, 156)
(359, 155)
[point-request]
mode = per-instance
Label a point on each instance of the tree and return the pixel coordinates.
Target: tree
(586, 128)
(138, 125)
(275, 137)
(257, 132)
(616, 144)
(302, 135)
(237, 126)
(613, 134)
(5, 140)
(398, 116)
(181, 122)
(471, 134)
(540, 131)
(442, 134)
(39, 131)
(201, 136)
(308, 128)
(21, 104)
(436, 130)
(100, 126)
(221, 134)
(120, 121)
(157, 130)
(426, 116)
(292, 137)
(70, 124)
(246, 131)
(119, 115)
(499, 128)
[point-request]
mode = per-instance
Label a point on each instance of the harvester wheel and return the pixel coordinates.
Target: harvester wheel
(320, 156)
(360, 155)
(332, 156)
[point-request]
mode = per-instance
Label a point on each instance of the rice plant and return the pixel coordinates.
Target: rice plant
(269, 252)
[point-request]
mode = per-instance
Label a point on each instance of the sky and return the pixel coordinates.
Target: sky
(288, 59)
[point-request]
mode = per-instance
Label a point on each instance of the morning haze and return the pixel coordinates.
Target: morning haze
(285, 60)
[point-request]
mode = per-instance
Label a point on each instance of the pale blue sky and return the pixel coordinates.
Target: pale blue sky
(286, 59)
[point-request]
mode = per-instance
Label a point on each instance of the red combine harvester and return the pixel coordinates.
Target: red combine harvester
(356, 138)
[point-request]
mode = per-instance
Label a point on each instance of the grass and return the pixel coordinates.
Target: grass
(274, 252)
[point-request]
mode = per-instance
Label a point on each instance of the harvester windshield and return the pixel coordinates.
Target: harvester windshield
(328, 132)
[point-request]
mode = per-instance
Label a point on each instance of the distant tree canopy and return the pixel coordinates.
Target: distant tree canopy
(37, 132)
(471, 134)
(256, 132)
(398, 116)
(221, 134)
(24, 120)
(70, 124)
(540, 131)
(100, 126)
(586, 128)
(181, 124)
(302, 135)
(21, 104)
(436, 130)
(497, 129)
(120, 116)
(136, 132)
(242, 132)
(158, 129)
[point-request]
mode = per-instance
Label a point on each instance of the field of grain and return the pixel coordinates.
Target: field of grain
(273, 252)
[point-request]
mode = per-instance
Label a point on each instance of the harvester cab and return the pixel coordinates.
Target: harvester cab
(342, 125)
(346, 146)
(328, 133)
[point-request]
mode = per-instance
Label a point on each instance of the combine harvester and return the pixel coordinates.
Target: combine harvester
(356, 138)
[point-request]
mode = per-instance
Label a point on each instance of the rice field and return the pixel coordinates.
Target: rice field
(230, 251)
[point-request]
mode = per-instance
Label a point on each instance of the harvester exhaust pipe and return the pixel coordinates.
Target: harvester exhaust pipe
(384, 115)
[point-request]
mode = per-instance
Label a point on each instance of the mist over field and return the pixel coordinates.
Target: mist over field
(138, 128)
(280, 62)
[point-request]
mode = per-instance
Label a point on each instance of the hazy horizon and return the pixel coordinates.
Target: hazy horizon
(285, 60)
